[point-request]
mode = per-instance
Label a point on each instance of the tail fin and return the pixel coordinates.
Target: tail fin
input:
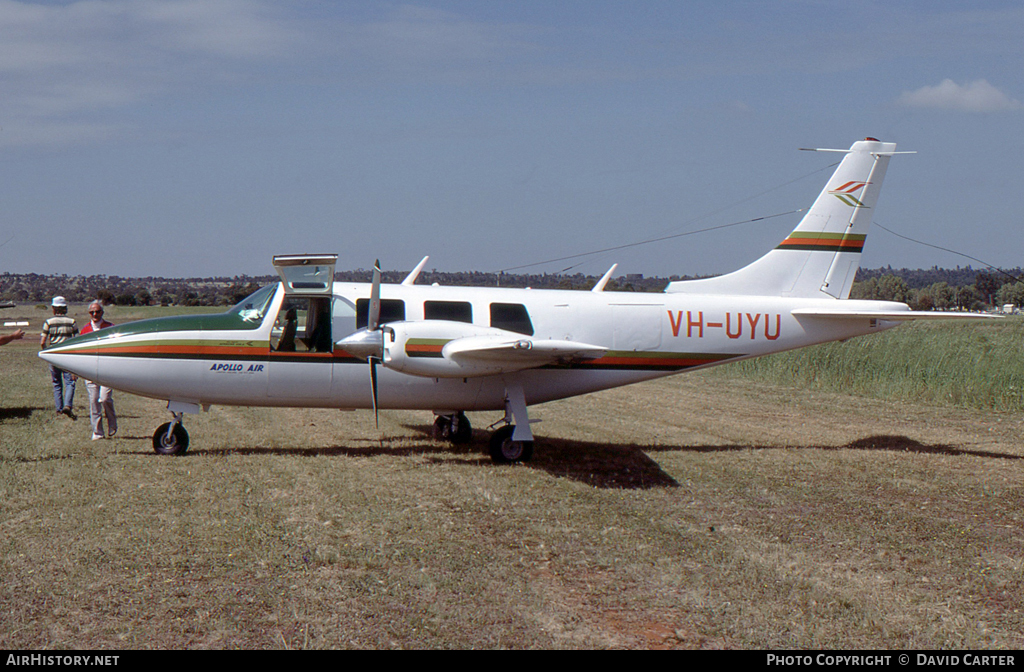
(819, 259)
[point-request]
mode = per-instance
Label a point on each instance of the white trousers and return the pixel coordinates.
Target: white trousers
(101, 403)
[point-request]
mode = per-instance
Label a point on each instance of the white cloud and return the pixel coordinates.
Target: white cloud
(62, 63)
(81, 67)
(976, 96)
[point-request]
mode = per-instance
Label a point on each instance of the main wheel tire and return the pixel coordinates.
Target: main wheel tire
(177, 444)
(506, 451)
(442, 428)
(453, 428)
(461, 431)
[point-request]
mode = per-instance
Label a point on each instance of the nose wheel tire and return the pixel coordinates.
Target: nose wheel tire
(175, 444)
(506, 451)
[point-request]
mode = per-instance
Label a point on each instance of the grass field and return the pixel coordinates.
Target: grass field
(967, 364)
(708, 510)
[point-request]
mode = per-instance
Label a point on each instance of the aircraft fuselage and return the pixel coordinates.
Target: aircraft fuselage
(227, 359)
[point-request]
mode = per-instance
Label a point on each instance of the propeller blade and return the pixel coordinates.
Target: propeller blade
(373, 389)
(374, 313)
(369, 342)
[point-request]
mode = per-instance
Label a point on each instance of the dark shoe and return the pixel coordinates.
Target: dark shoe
(68, 412)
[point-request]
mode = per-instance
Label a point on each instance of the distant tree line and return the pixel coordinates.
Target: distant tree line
(227, 291)
(942, 289)
(114, 290)
(923, 289)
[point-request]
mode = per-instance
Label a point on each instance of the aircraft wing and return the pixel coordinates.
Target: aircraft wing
(446, 349)
(892, 315)
(522, 352)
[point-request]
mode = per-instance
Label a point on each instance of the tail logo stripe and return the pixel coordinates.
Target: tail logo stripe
(846, 192)
(824, 242)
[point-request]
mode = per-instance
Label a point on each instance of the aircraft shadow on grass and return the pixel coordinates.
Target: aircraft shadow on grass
(26, 412)
(881, 442)
(19, 412)
(602, 465)
(616, 466)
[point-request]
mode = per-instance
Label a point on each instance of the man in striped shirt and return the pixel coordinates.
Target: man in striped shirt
(58, 329)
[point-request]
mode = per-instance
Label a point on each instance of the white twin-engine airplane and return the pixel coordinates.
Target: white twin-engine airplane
(306, 341)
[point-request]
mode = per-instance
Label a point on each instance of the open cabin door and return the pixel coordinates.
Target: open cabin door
(309, 274)
(301, 347)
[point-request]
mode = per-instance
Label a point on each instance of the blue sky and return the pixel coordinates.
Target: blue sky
(201, 137)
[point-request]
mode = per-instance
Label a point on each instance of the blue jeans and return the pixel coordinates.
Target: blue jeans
(63, 388)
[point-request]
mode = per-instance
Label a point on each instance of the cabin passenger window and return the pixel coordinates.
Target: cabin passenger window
(511, 317)
(343, 318)
(455, 311)
(303, 324)
(391, 310)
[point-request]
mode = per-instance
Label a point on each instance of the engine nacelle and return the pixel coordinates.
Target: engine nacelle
(419, 349)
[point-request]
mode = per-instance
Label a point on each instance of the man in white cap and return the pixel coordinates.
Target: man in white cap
(58, 329)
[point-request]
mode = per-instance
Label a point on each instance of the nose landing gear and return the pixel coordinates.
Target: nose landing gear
(171, 438)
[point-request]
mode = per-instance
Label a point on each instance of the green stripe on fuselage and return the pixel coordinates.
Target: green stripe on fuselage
(215, 322)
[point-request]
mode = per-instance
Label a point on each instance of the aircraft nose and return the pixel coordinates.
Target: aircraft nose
(83, 365)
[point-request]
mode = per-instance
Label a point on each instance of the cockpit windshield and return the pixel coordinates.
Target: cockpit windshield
(253, 308)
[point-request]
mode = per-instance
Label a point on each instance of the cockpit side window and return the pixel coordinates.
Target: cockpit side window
(253, 308)
(455, 311)
(511, 317)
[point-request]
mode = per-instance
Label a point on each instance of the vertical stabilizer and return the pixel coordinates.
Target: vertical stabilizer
(819, 259)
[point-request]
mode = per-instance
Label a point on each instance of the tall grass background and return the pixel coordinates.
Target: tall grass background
(968, 364)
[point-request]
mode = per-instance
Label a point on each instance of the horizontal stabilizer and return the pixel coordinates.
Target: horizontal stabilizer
(892, 315)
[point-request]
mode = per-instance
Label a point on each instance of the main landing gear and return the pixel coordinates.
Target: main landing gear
(454, 428)
(508, 444)
(506, 450)
(503, 448)
(171, 438)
